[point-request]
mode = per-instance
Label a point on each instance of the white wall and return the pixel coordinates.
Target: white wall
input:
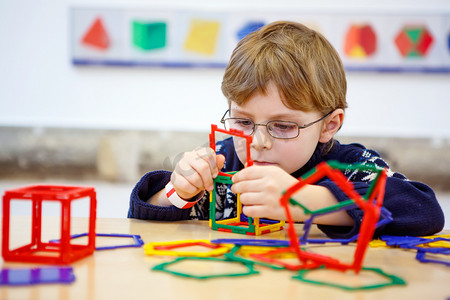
(39, 87)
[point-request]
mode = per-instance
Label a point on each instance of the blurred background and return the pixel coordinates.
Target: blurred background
(106, 126)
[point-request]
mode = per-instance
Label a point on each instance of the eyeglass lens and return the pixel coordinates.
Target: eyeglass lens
(277, 129)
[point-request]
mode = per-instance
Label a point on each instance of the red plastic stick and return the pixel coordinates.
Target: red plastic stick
(233, 132)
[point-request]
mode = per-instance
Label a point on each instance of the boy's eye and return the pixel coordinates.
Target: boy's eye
(243, 122)
(283, 126)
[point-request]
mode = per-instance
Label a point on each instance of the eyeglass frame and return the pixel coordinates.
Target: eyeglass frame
(223, 119)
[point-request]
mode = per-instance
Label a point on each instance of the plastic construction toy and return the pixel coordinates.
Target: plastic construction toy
(434, 244)
(431, 243)
(168, 248)
(391, 280)
(370, 204)
(240, 253)
(423, 246)
(444, 244)
(247, 242)
(399, 241)
(138, 242)
(50, 253)
(422, 257)
(239, 224)
(386, 217)
(277, 257)
(36, 276)
(164, 268)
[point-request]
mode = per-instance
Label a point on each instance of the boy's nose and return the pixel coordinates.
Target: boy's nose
(261, 139)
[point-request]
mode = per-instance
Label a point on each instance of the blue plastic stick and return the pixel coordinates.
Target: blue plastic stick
(386, 217)
(421, 256)
(36, 276)
(138, 242)
(248, 242)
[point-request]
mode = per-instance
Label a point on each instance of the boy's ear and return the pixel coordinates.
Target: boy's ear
(331, 125)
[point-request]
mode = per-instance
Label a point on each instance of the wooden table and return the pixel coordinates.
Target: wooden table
(126, 273)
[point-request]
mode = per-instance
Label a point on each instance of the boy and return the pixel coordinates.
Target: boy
(285, 85)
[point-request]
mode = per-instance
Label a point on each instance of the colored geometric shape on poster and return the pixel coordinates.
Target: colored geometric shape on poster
(360, 41)
(414, 41)
(448, 42)
(202, 36)
(149, 36)
(96, 36)
(249, 28)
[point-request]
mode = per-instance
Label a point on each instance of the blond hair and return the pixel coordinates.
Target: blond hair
(303, 65)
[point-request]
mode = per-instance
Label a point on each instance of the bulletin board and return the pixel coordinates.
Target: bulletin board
(171, 38)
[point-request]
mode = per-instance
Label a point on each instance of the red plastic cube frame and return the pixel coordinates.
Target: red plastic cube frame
(38, 251)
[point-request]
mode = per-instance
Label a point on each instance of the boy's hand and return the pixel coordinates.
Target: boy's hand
(195, 172)
(261, 188)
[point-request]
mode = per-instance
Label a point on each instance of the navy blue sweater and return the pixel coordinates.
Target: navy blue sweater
(413, 205)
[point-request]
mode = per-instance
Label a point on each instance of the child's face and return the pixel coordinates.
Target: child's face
(288, 154)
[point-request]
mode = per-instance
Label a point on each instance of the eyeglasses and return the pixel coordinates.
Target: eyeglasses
(276, 128)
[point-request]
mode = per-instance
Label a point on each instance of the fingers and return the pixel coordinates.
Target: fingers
(184, 188)
(254, 211)
(250, 179)
(250, 198)
(195, 172)
(255, 172)
(260, 188)
(205, 167)
(220, 161)
(262, 210)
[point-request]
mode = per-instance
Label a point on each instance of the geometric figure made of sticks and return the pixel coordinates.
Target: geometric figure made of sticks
(249, 270)
(277, 257)
(391, 280)
(422, 257)
(432, 243)
(370, 204)
(26, 276)
(258, 242)
(137, 241)
(385, 218)
(241, 252)
(240, 224)
(438, 243)
(38, 251)
(169, 248)
(416, 245)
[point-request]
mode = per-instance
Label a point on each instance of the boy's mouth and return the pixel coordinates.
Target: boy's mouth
(262, 163)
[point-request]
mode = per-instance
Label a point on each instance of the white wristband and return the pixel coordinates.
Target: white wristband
(176, 200)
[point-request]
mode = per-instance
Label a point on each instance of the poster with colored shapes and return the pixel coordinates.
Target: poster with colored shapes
(365, 41)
